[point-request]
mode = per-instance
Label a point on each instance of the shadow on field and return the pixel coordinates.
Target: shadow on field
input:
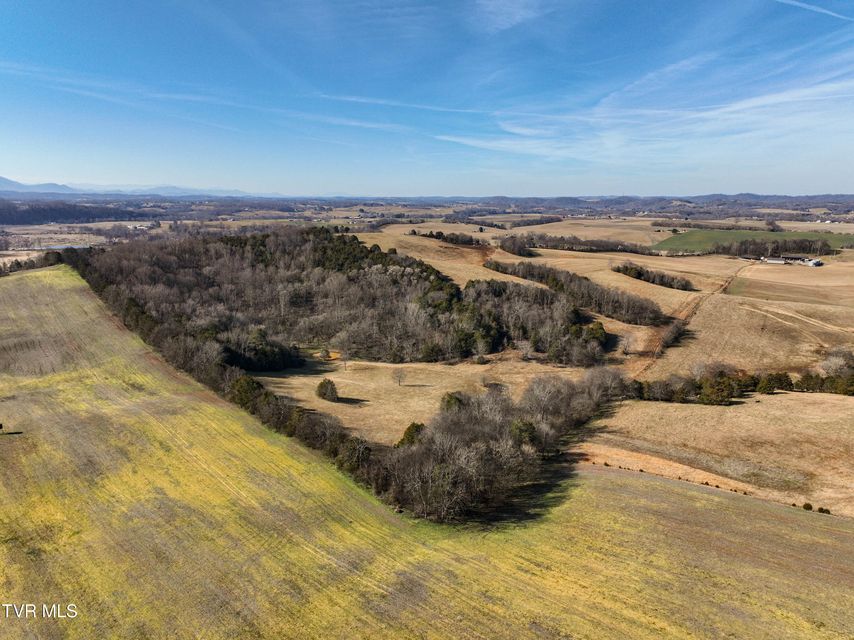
(312, 366)
(688, 335)
(550, 488)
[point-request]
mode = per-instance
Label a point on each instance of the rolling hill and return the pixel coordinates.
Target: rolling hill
(162, 511)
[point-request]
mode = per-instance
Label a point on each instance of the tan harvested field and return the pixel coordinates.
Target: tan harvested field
(784, 447)
(779, 317)
(379, 409)
(753, 335)
(841, 227)
(789, 447)
(459, 263)
(818, 210)
(42, 236)
(10, 256)
(788, 225)
(835, 227)
(707, 273)
(162, 511)
(832, 284)
(637, 230)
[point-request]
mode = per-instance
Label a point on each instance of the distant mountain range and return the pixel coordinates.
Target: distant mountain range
(54, 191)
(47, 187)
(7, 185)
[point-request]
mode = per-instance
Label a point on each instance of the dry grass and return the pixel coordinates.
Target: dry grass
(841, 227)
(378, 409)
(10, 256)
(774, 317)
(637, 230)
(706, 273)
(832, 284)
(459, 263)
(752, 334)
(43, 236)
(776, 323)
(161, 511)
(792, 447)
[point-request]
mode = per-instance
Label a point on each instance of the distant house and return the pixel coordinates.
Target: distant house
(804, 260)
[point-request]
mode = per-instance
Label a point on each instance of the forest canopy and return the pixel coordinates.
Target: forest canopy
(252, 298)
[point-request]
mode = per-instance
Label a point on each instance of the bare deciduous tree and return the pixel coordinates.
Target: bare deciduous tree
(398, 375)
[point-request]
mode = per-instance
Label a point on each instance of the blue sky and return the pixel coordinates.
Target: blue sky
(473, 97)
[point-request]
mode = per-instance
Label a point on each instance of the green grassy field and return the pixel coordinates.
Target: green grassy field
(163, 512)
(705, 239)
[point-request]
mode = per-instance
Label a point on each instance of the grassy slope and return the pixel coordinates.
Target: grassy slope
(704, 239)
(798, 446)
(163, 512)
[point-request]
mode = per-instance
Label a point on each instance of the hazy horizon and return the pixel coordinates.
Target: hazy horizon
(90, 187)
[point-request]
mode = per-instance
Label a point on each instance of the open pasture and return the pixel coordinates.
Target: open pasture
(707, 273)
(753, 334)
(44, 236)
(705, 239)
(791, 225)
(460, 263)
(162, 511)
(790, 447)
(636, 230)
(785, 323)
(832, 284)
(379, 409)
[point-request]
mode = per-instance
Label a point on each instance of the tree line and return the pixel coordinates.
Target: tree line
(758, 248)
(585, 293)
(523, 245)
(47, 259)
(770, 225)
(465, 217)
(719, 384)
(44, 212)
(660, 278)
(530, 221)
(452, 238)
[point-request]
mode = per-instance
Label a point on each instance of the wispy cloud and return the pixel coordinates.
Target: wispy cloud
(814, 8)
(338, 121)
(404, 105)
(229, 27)
(498, 15)
(660, 119)
(143, 97)
(125, 94)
